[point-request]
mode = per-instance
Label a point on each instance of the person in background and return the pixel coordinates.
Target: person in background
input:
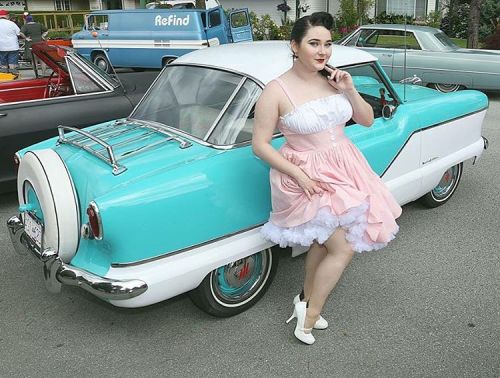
(35, 31)
(9, 44)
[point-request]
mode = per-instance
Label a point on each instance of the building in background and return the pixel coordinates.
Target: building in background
(415, 8)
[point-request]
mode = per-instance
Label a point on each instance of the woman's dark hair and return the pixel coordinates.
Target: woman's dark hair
(303, 24)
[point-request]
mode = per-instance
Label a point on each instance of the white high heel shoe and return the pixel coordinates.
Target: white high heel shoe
(321, 323)
(299, 312)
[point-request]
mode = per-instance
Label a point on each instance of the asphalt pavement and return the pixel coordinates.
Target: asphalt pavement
(428, 305)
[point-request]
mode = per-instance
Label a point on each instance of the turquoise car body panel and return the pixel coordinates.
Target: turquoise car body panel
(165, 193)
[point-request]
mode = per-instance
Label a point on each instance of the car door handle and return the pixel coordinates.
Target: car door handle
(3, 114)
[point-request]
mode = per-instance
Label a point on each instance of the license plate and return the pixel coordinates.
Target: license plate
(33, 229)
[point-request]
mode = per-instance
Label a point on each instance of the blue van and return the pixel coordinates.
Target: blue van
(151, 38)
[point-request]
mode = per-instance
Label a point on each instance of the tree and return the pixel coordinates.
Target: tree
(473, 26)
(353, 13)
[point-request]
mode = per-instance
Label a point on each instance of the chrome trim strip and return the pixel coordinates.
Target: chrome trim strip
(447, 70)
(21, 88)
(53, 98)
(486, 142)
(182, 250)
(57, 272)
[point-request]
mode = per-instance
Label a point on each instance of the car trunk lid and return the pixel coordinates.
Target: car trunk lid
(120, 152)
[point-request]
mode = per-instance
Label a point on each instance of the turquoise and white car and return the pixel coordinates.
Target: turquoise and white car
(171, 199)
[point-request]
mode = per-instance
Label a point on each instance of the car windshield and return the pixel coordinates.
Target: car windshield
(445, 40)
(209, 104)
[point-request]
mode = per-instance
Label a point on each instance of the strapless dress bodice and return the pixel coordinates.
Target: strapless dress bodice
(316, 124)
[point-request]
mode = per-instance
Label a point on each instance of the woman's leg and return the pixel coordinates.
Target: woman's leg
(328, 273)
(315, 255)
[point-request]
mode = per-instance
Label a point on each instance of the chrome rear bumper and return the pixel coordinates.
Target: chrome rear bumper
(56, 272)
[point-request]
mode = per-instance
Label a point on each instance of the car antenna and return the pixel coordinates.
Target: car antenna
(404, 66)
(96, 36)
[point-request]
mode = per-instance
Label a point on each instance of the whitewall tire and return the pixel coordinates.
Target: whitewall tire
(44, 183)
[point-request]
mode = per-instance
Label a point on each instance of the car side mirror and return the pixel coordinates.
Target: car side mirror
(388, 111)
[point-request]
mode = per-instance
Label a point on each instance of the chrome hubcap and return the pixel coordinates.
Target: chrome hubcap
(447, 183)
(237, 281)
(102, 64)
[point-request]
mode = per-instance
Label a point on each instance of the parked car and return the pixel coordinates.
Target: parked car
(171, 198)
(72, 92)
(430, 55)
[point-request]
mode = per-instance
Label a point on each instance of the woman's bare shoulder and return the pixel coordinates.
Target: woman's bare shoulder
(272, 91)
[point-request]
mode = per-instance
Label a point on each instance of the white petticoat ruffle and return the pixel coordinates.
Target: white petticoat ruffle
(322, 226)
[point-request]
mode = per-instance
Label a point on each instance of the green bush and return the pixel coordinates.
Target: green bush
(384, 18)
(433, 19)
(351, 14)
(58, 34)
(264, 28)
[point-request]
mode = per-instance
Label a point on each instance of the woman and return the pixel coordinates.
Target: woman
(324, 194)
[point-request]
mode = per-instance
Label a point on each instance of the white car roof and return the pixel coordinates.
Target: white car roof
(265, 60)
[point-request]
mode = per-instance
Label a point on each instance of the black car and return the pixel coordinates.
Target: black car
(74, 92)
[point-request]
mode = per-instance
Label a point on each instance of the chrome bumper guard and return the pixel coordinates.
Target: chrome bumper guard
(485, 142)
(56, 272)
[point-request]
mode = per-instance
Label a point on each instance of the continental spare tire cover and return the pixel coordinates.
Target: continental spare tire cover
(44, 182)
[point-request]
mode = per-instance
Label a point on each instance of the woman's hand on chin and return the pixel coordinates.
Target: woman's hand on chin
(340, 80)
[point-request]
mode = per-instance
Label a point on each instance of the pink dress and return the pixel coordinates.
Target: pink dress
(357, 200)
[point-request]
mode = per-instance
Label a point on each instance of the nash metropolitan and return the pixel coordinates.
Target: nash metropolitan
(171, 198)
(72, 91)
(430, 55)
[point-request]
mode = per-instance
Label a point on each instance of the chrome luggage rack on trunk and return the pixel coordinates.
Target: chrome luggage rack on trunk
(124, 132)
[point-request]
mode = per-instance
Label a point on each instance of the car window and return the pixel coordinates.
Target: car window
(366, 35)
(394, 39)
(371, 87)
(237, 123)
(188, 98)
(445, 40)
(214, 18)
(98, 22)
(352, 40)
(239, 19)
(82, 83)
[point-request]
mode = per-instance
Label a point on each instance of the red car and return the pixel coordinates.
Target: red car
(73, 92)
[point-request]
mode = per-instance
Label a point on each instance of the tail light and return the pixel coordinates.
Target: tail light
(95, 220)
